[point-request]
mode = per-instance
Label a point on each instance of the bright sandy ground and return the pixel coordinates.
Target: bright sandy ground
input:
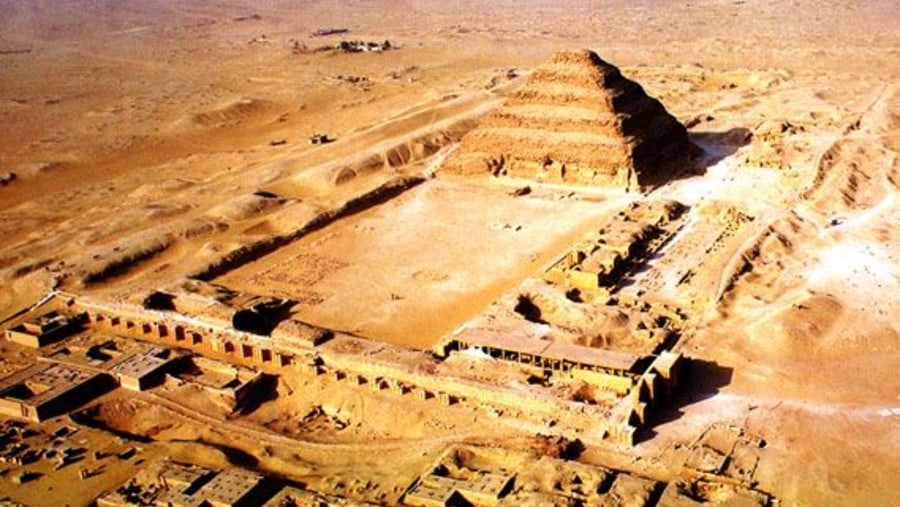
(412, 270)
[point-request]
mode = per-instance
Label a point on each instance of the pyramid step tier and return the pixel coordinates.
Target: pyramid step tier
(577, 120)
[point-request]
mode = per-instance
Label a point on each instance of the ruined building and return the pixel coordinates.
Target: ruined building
(577, 120)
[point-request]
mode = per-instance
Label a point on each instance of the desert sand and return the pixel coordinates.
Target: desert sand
(164, 145)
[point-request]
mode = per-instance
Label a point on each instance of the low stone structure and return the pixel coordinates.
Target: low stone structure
(171, 484)
(542, 354)
(633, 234)
(235, 385)
(139, 371)
(202, 334)
(377, 366)
(639, 387)
(182, 485)
(295, 497)
(47, 389)
(44, 329)
(440, 488)
(468, 475)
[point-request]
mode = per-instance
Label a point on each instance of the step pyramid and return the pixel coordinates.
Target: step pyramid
(577, 120)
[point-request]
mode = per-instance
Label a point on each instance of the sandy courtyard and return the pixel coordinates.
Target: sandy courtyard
(414, 269)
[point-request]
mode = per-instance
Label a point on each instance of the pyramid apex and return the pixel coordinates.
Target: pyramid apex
(580, 57)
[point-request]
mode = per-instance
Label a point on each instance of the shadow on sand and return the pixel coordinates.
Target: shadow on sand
(707, 150)
(717, 146)
(700, 380)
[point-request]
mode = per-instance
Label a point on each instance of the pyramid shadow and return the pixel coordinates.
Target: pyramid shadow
(717, 146)
(708, 148)
(700, 380)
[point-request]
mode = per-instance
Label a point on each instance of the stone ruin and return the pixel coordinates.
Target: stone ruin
(577, 120)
